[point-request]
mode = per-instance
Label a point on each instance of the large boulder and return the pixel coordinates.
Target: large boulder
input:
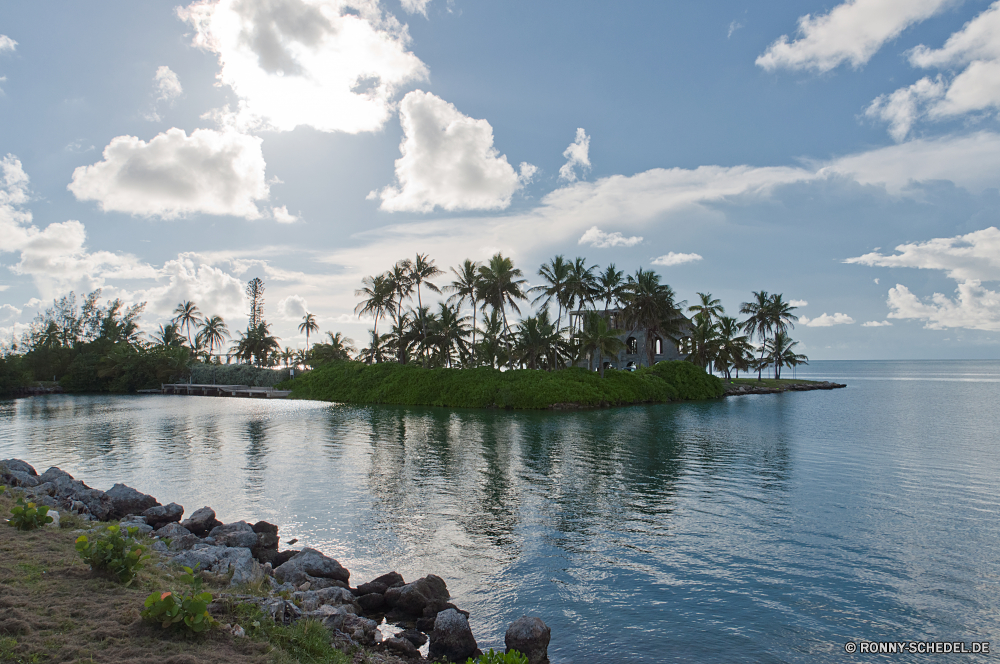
(381, 584)
(126, 501)
(201, 521)
(309, 565)
(161, 515)
(172, 531)
(240, 562)
(413, 598)
(360, 630)
(267, 541)
(200, 558)
(530, 637)
(402, 646)
(18, 465)
(184, 542)
(234, 534)
(311, 600)
(52, 473)
(452, 638)
(19, 479)
(138, 522)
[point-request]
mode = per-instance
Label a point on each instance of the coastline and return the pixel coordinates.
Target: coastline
(744, 386)
(260, 595)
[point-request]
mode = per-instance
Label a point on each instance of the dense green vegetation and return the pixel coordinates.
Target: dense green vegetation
(486, 387)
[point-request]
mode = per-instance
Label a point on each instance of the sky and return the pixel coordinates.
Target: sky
(846, 155)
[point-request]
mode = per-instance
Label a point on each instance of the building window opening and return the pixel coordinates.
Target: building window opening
(658, 346)
(632, 346)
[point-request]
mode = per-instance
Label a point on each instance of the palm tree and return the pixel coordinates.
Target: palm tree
(702, 343)
(338, 348)
(781, 353)
(187, 313)
(595, 338)
(401, 287)
(581, 285)
(735, 350)
(708, 307)
(378, 292)
(650, 306)
(450, 332)
(375, 349)
(214, 332)
(535, 336)
(502, 286)
(493, 333)
(168, 336)
(609, 286)
(758, 324)
(287, 356)
(555, 273)
(308, 325)
(421, 270)
(466, 287)
(779, 314)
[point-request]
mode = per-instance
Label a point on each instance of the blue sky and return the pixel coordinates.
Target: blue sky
(844, 154)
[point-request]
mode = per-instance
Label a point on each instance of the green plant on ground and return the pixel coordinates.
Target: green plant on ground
(305, 641)
(26, 516)
(179, 609)
(115, 553)
(512, 657)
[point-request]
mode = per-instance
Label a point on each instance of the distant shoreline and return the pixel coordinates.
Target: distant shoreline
(744, 386)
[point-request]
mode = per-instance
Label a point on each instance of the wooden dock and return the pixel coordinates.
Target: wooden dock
(242, 391)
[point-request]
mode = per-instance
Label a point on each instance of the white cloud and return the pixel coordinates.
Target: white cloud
(168, 86)
(969, 259)
(7, 44)
(595, 237)
(974, 307)
(798, 303)
(175, 174)
(876, 323)
(416, 6)
(852, 32)
(293, 307)
(676, 259)
(826, 320)
(9, 313)
(577, 154)
(902, 108)
(448, 161)
(975, 51)
(974, 256)
(333, 65)
(189, 278)
(283, 216)
(733, 27)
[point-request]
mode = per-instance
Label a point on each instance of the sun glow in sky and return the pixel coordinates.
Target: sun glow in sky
(846, 155)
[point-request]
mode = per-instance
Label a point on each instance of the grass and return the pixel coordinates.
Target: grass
(484, 387)
(54, 609)
(771, 382)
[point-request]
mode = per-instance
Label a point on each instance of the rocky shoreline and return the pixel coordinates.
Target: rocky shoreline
(741, 389)
(414, 622)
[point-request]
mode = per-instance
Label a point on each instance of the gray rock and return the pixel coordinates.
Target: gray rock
(18, 465)
(452, 637)
(137, 522)
(20, 478)
(413, 598)
(281, 610)
(161, 515)
(262, 527)
(235, 534)
(55, 518)
(201, 521)
(361, 630)
(159, 547)
(172, 530)
(125, 501)
(309, 565)
(52, 473)
(202, 558)
(402, 646)
(240, 562)
(530, 637)
(184, 542)
(371, 602)
(413, 636)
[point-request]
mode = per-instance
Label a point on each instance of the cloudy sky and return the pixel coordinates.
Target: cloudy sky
(846, 155)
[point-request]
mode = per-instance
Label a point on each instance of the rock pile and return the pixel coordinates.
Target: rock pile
(303, 583)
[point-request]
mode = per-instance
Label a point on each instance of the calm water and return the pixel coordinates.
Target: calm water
(767, 528)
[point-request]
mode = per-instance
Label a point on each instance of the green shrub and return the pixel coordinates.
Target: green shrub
(512, 657)
(26, 516)
(120, 556)
(485, 387)
(304, 640)
(178, 609)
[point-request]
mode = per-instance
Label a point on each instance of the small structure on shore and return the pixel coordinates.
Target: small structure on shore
(635, 352)
(244, 391)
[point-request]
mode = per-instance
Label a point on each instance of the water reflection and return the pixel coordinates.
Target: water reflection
(753, 529)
